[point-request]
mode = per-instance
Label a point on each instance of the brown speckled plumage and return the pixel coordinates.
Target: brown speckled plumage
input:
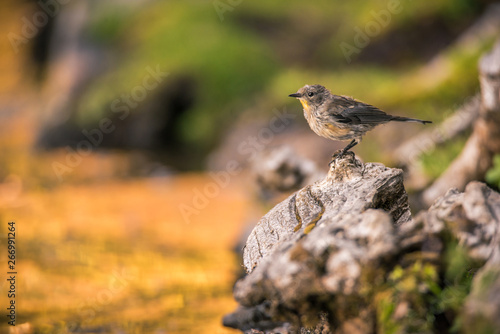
(340, 117)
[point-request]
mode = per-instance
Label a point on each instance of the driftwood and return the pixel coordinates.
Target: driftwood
(484, 143)
(319, 261)
(350, 188)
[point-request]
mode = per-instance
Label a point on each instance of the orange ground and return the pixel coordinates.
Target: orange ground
(103, 251)
(117, 256)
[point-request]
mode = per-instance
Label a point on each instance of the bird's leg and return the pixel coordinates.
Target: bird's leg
(353, 143)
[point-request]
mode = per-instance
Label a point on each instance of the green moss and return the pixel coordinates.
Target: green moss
(402, 305)
(438, 160)
(107, 25)
(226, 63)
(458, 264)
(493, 174)
(412, 297)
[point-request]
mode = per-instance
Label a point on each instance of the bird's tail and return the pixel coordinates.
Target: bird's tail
(407, 119)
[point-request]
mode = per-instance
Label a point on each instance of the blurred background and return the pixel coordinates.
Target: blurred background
(129, 129)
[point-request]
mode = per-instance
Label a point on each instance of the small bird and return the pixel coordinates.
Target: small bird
(341, 117)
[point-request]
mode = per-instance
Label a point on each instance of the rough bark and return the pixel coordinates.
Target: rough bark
(476, 157)
(349, 188)
(320, 261)
(482, 307)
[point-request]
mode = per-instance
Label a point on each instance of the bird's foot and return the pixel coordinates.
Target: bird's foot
(334, 157)
(339, 154)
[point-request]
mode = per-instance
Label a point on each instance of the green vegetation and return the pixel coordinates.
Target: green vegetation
(417, 297)
(493, 175)
(261, 51)
(403, 305)
(439, 159)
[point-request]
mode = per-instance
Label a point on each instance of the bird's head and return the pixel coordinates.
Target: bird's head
(311, 96)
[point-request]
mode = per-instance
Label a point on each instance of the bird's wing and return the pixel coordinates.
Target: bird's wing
(350, 111)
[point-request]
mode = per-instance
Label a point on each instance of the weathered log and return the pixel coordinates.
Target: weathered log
(477, 155)
(320, 261)
(319, 242)
(349, 188)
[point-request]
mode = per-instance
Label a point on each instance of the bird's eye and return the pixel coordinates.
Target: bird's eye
(310, 94)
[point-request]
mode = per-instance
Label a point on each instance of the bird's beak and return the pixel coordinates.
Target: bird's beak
(295, 95)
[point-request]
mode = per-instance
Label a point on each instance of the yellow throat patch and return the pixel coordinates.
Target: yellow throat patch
(305, 105)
